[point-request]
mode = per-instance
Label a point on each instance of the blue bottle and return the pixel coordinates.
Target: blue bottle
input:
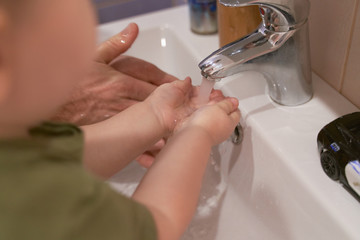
(203, 16)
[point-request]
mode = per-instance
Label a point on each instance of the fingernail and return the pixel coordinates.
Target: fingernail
(126, 31)
(235, 102)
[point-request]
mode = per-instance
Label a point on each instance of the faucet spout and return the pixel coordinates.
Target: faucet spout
(226, 61)
(279, 49)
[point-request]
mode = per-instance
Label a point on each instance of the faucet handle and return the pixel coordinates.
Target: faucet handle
(277, 15)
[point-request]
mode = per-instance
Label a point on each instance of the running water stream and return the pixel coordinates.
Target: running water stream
(204, 222)
(205, 90)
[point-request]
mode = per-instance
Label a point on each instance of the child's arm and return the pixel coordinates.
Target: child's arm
(171, 187)
(112, 144)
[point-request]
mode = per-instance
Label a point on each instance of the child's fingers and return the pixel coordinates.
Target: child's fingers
(216, 95)
(188, 81)
(229, 105)
(146, 160)
(116, 45)
(184, 85)
(216, 99)
(157, 146)
(235, 116)
(216, 92)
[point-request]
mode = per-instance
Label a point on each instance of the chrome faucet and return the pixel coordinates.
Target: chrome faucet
(279, 49)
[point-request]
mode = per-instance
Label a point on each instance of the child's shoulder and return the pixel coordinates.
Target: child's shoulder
(41, 166)
(48, 145)
(44, 183)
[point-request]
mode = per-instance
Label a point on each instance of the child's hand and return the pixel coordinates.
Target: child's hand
(217, 119)
(174, 102)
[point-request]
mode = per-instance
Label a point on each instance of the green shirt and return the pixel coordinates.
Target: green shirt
(46, 194)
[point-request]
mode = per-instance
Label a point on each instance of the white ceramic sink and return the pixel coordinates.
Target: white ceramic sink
(271, 186)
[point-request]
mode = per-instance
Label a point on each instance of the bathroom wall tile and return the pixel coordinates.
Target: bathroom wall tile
(179, 2)
(110, 10)
(330, 27)
(351, 87)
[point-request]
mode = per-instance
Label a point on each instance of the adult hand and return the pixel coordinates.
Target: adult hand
(114, 82)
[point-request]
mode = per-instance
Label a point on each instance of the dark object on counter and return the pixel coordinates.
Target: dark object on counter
(203, 16)
(339, 148)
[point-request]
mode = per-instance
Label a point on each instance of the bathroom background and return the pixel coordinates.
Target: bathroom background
(334, 37)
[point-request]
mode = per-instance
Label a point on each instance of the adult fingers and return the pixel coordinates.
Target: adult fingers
(116, 45)
(135, 89)
(113, 107)
(139, 90)
(142, 70)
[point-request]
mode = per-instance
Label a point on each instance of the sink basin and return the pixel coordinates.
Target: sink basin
(271, 185)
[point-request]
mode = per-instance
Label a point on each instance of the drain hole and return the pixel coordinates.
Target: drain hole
(237, 135)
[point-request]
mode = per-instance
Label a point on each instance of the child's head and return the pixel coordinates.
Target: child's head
(46, 47)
